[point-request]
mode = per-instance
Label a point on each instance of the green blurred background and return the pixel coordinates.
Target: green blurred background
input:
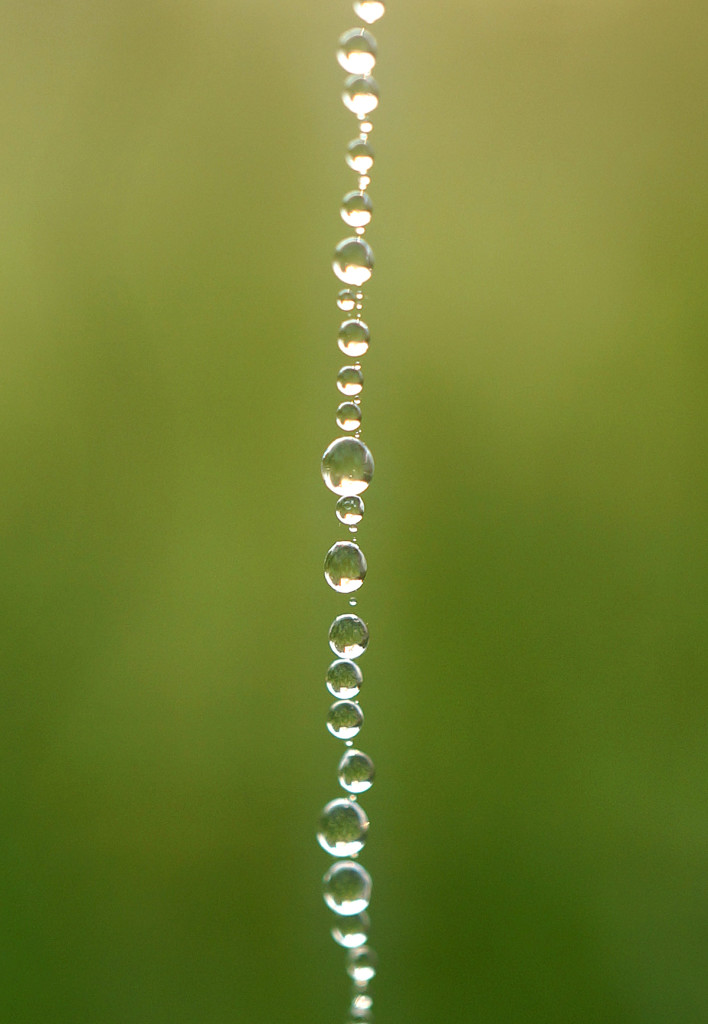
(535, 688)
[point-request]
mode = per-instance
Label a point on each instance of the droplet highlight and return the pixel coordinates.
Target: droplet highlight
(347, 888)
(353, 261)
(360, 95)
(343, 828)
(347, 466)
(344, 719)
(356, 772)
(356, 51)
(369, 10)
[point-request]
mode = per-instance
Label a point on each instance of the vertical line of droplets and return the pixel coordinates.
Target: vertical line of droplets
(347, 470)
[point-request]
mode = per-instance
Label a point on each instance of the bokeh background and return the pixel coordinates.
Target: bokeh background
(535, 688)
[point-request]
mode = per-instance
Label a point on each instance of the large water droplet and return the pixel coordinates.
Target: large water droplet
(362, 963)
(360, 94)
(345, 567)
(348, 636)
(356, 209)
(351, 932)
(350, 510)
(356, 51)
(350, 380)
(347, 466)
(369, 10)
(348, 417)
(353, 261)
(343, 828)
(356, 772)
(344, 719)
(360, 156)
(353, 338)
(347, 888)
(344, 679)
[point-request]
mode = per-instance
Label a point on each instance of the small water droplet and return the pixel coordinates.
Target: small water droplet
(349, 416)
(356, 772)
(353, 261)
(351, 932)
(362, 963)
(346, 300)
(350, 380)
(345, 567)
(347, 888)
(347, 466)
(360, 95)
(343, 828)
(348, 636)
(344, 719)
(360, 156)
(369, 10)
(344, 678)
(361, 1006)
(353, 338)
(356, 51)
(350, 509)
(364, 182)
(352, 602)
(356, 209)
(365, 127)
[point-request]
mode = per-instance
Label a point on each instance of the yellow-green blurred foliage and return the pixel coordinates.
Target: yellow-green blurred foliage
(536, 400)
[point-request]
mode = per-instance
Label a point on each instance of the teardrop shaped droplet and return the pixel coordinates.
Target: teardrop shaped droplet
(360, 95)
(348, 636)
(347, 466)
(362, 963)
(353, 261)
(351, 932)
(353, 338)
(369, 10)
(356, 771)
(345, 567)
(360, 156)
(344, 679)
(350, 380)
(350, 509)
(348, 416)
(356, 209)
(347, 888)
(343, 828)
(344, 719)
(356, 51)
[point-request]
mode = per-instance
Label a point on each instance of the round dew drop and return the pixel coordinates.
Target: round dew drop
(347, 888)
(369, 10)
(356, 772)
(362, 964)
(360, 156)
(346, 300)
(350, 381)
(353, 261)
(345, 567)
(344, 719)
(361, 1007)
(343, 828)
(344, 678)
(350, 510)
(356, 209)
(356, 51)
(360, 95)
(351, 932)
(348, 636)
(348, 418)
(353, 338)
(347, 466)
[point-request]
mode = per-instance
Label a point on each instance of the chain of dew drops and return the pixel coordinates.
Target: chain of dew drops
(347, 470)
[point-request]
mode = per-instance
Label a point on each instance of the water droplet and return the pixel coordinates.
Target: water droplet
(365, 127)
(353, 261)
(351, 932)
(361, 1007)
(356, 772)
(360, 156)
(353, 338)
(344, 719)
(345, 567)
(350, 509)
(350, 380)
(343, 828)
(360, 95)
(346, 300)
(349, 416)
(356, 209)
(344, 679)
(357, 51)
(347, 888)
(347, 466)
(362, 963)
(369, 10)
(348, 636)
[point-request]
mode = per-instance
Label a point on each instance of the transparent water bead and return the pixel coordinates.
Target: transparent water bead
(343, 828)
(353, 261)
(348, 636)
(361, 1007)
(347, 299)
(345, 719)
(353, 338)
(351, 932)
(360, 95)
(356, 772)
(347, 888)
(347, 466)
(356, 209)
(369, 10)
(360, 156)
(345, 567)
(350, 380)
(362, 964)
(350, 510)
(348, 418)
(344, 678)
(356, 51)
